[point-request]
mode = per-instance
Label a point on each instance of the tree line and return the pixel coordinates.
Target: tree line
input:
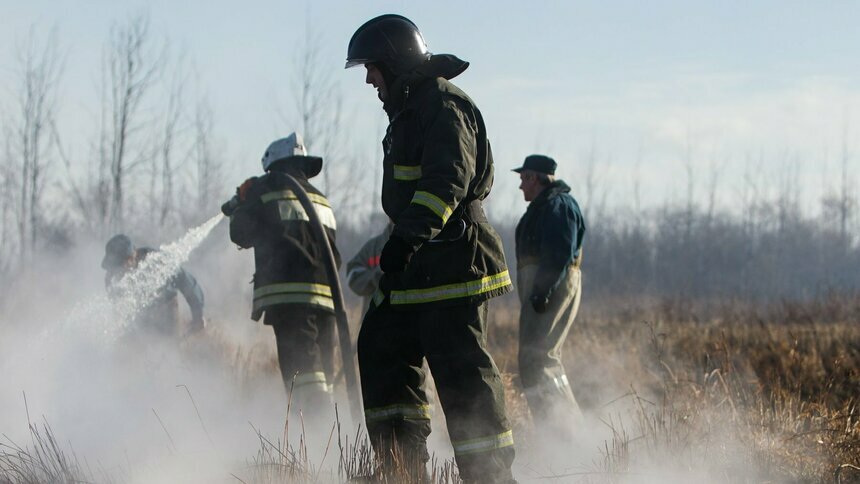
(154, 166)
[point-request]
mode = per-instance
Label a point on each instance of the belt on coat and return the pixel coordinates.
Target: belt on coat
(467, 213)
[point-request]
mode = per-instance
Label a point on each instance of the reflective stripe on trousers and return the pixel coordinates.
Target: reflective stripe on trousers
(484, 444)
(316, 378)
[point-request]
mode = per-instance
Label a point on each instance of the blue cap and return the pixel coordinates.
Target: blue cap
(538, 163)
(117, 250)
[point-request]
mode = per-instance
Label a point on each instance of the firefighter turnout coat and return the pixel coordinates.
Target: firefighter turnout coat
(290, 267)
(437, 168)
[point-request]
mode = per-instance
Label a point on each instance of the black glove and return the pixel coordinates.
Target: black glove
(395, 255)
(230, 206)
(539, 302)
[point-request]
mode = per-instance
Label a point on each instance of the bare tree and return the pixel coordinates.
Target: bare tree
(314, 88)
(41, 68)
(690, 171)
(847, 200)
(637, 186)
(131, 67)
(7, 190)
(839, 203)
(751, 193)
(207, 163)
(596, 192)
(788, 196)
(171, 132)
(714, 177)
(319, 106)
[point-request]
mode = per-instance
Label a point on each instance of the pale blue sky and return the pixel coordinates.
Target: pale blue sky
(776, 80)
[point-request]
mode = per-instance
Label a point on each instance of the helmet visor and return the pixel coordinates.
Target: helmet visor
(356, 62)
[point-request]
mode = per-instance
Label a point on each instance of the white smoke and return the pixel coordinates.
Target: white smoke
(140, 409)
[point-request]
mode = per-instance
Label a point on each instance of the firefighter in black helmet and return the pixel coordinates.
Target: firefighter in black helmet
(442, 262)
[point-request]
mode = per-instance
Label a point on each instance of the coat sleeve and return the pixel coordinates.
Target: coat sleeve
(362, 271)
(447, 168)
(246, 220)
(188, 286)
(558, 242)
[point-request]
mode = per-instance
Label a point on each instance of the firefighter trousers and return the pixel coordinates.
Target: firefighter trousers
(392, 346)
(305, 338)
(542, 335)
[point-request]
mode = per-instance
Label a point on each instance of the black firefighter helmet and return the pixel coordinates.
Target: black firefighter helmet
(392, 40)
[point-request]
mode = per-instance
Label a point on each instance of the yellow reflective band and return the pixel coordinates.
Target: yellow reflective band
(407, 173)
(484, 444)
(316, 377)
(378, 297)
(451, 291)
(289, 195)
(293, 287)
(291, 209)
(404, 411)
(434, 203)
(312, 299)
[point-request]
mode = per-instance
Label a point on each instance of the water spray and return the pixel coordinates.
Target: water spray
(139, 287)
(110, 316)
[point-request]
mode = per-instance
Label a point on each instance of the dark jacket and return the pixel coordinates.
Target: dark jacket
(182, 282)
(290, 267)
(550, 235)
(437, 168)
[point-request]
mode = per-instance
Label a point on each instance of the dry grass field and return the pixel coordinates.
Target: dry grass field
(734, 393)
(730, 393)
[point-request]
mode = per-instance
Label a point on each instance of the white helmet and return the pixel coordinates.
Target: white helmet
(292, 147)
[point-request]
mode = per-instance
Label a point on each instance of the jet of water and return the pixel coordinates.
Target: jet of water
(139, 287)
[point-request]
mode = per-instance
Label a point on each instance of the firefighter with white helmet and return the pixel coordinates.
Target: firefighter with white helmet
(290, 283)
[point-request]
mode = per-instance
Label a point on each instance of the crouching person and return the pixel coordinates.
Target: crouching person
(158, 319)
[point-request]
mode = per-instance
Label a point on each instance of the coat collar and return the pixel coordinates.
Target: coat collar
(446, 66)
